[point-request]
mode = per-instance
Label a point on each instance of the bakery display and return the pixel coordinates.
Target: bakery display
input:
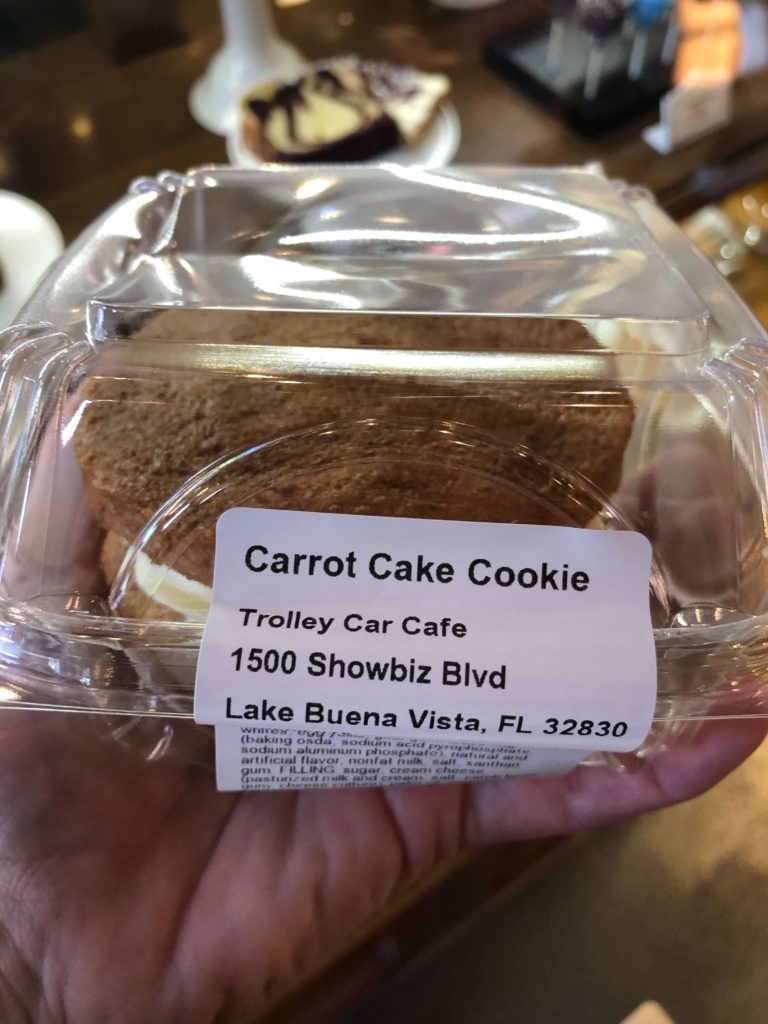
(596, 63)
(345, 109)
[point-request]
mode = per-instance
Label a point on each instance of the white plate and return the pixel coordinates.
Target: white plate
(30, 240)
(436, 148)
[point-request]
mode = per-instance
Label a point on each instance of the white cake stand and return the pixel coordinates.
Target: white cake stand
(252, 52)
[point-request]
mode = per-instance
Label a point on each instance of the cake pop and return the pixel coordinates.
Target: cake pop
(601, 19)
(645, 14)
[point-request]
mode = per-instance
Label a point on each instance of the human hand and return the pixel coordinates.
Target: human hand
(131, 891)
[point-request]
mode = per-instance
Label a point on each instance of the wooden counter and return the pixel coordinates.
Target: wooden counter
(75, 128)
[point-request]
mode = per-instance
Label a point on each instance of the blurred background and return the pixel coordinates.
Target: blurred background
(94, 93)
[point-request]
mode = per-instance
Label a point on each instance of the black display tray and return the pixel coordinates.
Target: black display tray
(522, 59)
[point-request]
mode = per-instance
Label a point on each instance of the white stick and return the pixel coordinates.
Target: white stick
(637, 57)
(669, 48)
(555, 44)
(594, 71)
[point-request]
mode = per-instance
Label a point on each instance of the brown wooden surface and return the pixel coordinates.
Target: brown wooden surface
(75, 128)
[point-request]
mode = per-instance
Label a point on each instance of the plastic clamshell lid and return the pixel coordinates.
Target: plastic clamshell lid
(492, 241)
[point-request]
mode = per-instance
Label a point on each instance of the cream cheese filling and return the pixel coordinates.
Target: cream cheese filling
(188, 598)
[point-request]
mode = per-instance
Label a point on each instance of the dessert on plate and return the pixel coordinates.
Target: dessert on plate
(340, 110)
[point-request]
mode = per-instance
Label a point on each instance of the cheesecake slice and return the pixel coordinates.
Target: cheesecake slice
(329, 114)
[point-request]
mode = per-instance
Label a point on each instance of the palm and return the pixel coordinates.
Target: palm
(134, 891)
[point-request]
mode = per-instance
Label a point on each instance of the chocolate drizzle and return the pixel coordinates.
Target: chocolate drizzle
(376, 131)
(294, 94)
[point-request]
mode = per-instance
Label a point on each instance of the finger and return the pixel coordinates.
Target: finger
(588, 797)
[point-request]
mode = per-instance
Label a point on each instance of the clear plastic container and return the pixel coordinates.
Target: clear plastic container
(507, 345)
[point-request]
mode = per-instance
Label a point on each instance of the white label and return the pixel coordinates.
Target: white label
(531, 636)
(688, 113)
(692, 112)
(250, 758)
